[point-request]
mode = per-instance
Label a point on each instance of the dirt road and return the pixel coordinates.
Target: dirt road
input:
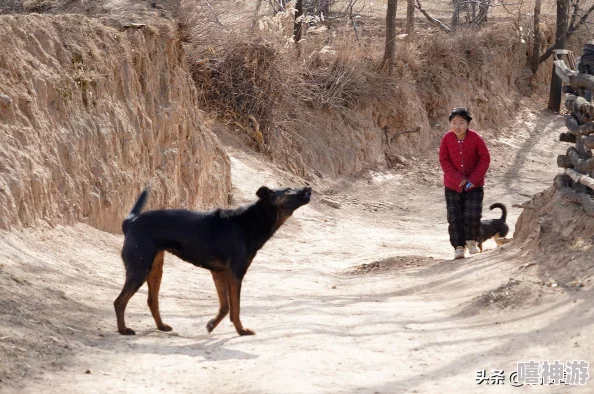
(358, 299)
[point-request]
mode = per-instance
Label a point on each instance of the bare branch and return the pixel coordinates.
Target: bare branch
(353, 22)
(213, 13)
(576, 8)
(432, 19)
(572, 29)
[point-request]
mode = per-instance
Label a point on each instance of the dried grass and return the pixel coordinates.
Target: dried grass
(257, 72)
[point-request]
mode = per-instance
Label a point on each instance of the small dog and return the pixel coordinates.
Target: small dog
(224, 241)
(494, 228)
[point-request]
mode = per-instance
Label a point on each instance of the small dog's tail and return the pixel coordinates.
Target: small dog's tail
(503, 210)
(138, 205)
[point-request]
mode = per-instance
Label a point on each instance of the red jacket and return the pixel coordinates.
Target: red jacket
(467, 159)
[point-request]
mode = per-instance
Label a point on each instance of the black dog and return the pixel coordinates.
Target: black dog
(494, 228)
(224, 241)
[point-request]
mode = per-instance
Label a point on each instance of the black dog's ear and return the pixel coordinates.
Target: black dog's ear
(263, 192)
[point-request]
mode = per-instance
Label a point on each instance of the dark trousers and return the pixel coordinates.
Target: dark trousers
(464, 215)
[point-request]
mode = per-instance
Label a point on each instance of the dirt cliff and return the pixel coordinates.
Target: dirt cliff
(89, 114)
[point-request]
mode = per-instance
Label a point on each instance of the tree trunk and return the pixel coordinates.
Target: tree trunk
(588, 142)
(574, 127)
(390, 47)
(536, 39)
(555, 91)
(456, 14)
(575, 79)
(410, 18)
(583, 166)
(583, 110)
(577, 177)
(564, 161)
(298, 25)
(562, 181)
(256, 14)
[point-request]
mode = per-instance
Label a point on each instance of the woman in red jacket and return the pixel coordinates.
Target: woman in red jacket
(464, 159)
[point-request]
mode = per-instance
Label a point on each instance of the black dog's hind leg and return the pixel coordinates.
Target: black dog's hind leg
(133, 282)
(234, 300)
(154, 283)
(220, 280)
(138, 265)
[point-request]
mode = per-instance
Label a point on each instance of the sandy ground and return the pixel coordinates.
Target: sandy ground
(358, 299)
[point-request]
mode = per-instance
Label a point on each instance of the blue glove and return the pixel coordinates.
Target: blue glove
(468, 186)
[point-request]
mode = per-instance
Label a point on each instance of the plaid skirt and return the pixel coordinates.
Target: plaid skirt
(464, 215)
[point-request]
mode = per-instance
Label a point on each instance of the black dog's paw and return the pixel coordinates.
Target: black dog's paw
(246, 331)
(128, 331)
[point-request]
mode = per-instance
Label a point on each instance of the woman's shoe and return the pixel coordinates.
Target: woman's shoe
(459, 252)
(472, 247)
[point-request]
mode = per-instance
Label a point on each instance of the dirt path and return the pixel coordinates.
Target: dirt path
(412, 320)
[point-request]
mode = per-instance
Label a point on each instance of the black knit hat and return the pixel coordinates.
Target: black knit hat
(461, 112)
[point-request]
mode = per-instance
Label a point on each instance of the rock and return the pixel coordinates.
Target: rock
(5, 101)
(332, 203)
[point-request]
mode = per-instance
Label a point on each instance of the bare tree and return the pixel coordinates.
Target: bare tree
(578, 18)
(561, 37)
(410, 17)
(256, 14)
(468, 9)
(298, 25)
(536, 38)
(390, 47)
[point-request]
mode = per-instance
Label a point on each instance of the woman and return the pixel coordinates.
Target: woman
(464, 159)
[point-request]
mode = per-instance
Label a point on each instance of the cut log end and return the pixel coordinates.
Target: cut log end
(567, 137)
(564, 161)
(562, 181)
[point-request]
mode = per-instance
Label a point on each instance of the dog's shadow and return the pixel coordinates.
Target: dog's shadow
(208, 350)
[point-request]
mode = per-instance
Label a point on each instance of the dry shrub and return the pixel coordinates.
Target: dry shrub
(341, 81)
(470, 66)
(38, 5)
(257, 72)
(245, 79)
(238, 78)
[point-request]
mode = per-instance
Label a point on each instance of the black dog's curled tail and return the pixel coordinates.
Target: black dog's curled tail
(503, 210)
(138, 205)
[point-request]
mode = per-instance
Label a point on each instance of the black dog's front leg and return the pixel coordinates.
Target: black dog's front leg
(234, 298)
(220, 280)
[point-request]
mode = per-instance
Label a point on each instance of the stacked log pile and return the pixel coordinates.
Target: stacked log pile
(577, 183)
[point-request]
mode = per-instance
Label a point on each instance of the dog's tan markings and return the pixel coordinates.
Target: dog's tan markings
(282, 215)
(220, 280)
(234, 300)
(154, 284)
(501, 241)
(281, 218)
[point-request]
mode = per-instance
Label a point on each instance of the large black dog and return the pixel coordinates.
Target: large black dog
(224, 241)
(494, 228)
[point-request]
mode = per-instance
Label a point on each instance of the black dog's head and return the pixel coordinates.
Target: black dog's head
(285, 201)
